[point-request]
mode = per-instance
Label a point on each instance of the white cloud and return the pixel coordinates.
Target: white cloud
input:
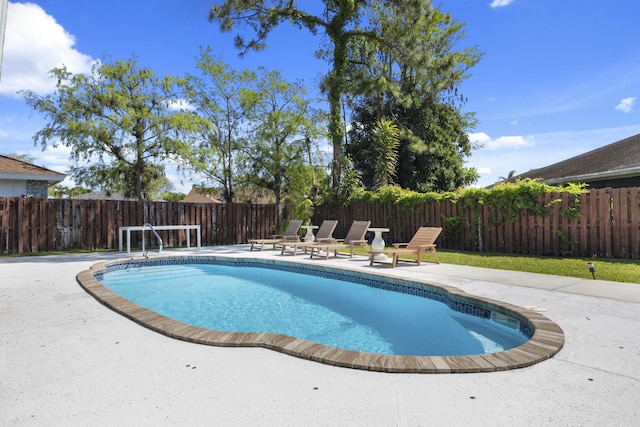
(479, 138)
(509, 142)
(181, 104)
(503, 142)
(35, 44)
(626, 104)
(500, 3)
(485, 171)
(54, 158)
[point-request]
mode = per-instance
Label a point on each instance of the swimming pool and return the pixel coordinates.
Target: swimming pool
(532, 336)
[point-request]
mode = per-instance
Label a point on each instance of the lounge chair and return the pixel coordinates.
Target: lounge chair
(355, 238)
(289, 234)
(324, 235)
(422, 242)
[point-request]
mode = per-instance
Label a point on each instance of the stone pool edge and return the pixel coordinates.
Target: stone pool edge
(546, 341)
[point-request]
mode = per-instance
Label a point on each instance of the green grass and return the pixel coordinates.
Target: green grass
(615, 270)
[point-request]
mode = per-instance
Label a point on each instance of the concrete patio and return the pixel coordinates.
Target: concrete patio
(67, 360)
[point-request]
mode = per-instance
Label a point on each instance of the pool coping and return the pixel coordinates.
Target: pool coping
(546, 341)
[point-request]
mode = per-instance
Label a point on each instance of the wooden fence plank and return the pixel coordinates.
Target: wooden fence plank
(607, 229)
(584, 221)
(595, 246)
(634, 223)
(609, 224)
(555, 226)
(623, 218)
(4, 227)
(616, 222)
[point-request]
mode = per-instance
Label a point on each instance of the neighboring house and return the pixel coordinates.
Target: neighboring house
(615, 165)
(196, 195)
(212, 195)
(22, 179)
(101, 195)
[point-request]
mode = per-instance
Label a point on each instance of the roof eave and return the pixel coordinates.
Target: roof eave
(33, 177)
(615, 174)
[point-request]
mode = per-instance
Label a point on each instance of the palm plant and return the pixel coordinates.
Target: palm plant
(387, 141)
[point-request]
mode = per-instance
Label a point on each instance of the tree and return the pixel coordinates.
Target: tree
(401, 50)
(282, 134)
(435, 164)
(509, 176)
(339, 22)
(412, 76)
(59, 191)
(218, 94)
(385, 146)
(121, 123)
(171, 196)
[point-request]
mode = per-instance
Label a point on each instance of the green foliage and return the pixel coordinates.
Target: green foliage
(261, 134)
(170, 196)
(281, 149)
(395, 195)
(338, 22)
(59, 191)
(562, 236)
(121, 120)
(218, 94)
(412, 75)
(406, 51)
(303, 210)
(386, 143)
(349, 187)
(510, 199)
(523, 195)
(453, 227)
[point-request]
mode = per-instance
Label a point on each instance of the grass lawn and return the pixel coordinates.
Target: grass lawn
(615, 270)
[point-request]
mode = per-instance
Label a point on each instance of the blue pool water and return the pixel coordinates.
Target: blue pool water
(327, 311)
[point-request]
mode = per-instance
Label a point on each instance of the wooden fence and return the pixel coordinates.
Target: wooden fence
(39, 225)
(607, 225)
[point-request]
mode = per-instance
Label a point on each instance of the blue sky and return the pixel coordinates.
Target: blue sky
(558, 77)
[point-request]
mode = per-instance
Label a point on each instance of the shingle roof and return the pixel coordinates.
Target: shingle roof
(17, 169)
(197, 196)
(617, 160)
(211, 195)
(101, 195)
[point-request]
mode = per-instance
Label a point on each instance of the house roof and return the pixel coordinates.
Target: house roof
(17, 169)
(212, 195)
(101, 195)
(197, 196)
(618, 160)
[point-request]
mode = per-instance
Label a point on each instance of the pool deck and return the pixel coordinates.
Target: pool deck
(66, 359)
